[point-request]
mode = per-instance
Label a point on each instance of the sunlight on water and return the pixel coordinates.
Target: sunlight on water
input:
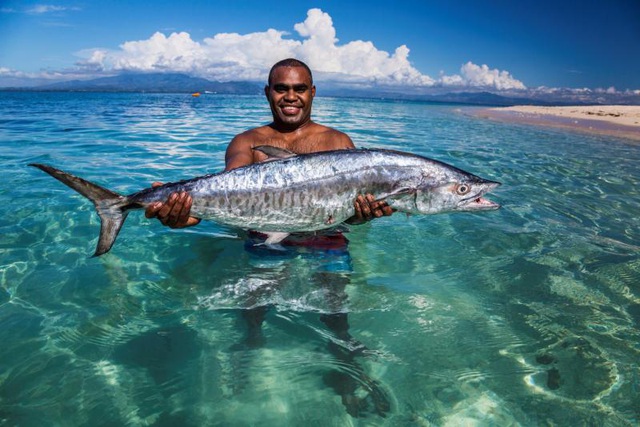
(529, 315)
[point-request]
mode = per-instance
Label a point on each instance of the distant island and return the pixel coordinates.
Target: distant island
(183, 83)
(154, 82)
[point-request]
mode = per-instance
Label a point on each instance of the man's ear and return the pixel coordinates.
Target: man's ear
(313, 91)
(266, 91)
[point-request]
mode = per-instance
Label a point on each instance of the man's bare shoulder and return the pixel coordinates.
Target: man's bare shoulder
(255, 133)
(252, 138)
(332, 139)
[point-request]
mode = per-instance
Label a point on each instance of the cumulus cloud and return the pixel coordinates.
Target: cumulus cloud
(233, 56)
(483, 76)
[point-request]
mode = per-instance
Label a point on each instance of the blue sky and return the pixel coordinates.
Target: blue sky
(501, 45)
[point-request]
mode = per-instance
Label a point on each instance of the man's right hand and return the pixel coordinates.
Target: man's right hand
(367, 208)
(174, 212)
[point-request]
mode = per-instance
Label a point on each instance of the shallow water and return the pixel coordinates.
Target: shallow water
(525, 316)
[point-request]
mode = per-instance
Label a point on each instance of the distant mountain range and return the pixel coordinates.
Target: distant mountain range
(182, 83)
(469, 98)
(156, 82)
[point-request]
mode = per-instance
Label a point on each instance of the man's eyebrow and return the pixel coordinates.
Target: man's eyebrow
(302, 86)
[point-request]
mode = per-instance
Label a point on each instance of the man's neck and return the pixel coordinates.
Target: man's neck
(286, 128)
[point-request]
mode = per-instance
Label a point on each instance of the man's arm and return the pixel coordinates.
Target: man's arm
(340, 141)
(239, 152)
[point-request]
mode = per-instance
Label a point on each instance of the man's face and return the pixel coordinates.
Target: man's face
(290, 94)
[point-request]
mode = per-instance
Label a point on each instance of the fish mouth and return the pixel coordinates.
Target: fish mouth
(479, 203)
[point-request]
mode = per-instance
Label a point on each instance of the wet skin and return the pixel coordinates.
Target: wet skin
(290, 94)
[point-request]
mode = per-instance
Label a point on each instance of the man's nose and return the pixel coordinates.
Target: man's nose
(290, 95)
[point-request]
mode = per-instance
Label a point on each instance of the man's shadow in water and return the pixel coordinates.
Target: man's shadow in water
(330, 263)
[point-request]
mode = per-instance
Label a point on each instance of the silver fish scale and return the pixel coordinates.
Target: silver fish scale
(301, 193)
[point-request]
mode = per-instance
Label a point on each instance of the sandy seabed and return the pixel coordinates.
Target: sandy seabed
(616, 120)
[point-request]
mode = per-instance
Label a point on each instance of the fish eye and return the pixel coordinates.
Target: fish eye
(463, 189)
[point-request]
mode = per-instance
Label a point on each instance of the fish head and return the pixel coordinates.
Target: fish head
(456, 193)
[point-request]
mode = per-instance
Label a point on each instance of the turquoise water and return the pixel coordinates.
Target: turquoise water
(529, 315)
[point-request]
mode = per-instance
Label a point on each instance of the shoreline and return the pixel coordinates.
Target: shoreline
(613, 120)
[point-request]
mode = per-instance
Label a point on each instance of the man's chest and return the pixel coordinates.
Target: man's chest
(300, 145)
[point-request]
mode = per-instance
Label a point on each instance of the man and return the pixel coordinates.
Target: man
(290, 92)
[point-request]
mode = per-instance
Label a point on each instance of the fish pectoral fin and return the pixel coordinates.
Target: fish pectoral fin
(397, 192)
(274, 153)
(273, 238)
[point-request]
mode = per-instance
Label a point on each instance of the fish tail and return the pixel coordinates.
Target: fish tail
(112, 207)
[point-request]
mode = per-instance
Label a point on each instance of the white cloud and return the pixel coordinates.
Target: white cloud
(48, 8)
(176, 53)
(357, 59)
(483, 76)
(232, 56)
(15, 78)
(8, 72)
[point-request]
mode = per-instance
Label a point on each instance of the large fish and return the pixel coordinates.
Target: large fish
(296, 193)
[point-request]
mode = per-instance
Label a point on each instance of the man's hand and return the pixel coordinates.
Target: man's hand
(174, 212)
(367, 208)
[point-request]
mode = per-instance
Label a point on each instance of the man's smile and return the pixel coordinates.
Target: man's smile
(290, 110)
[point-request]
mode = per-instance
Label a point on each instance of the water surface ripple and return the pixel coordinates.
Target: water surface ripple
(525, 316)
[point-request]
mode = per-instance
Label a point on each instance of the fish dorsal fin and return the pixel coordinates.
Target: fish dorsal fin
(274, 153)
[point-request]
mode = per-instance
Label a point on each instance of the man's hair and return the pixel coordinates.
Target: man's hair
(289, 62)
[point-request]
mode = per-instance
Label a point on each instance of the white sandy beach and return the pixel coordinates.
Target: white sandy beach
(617, 120)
